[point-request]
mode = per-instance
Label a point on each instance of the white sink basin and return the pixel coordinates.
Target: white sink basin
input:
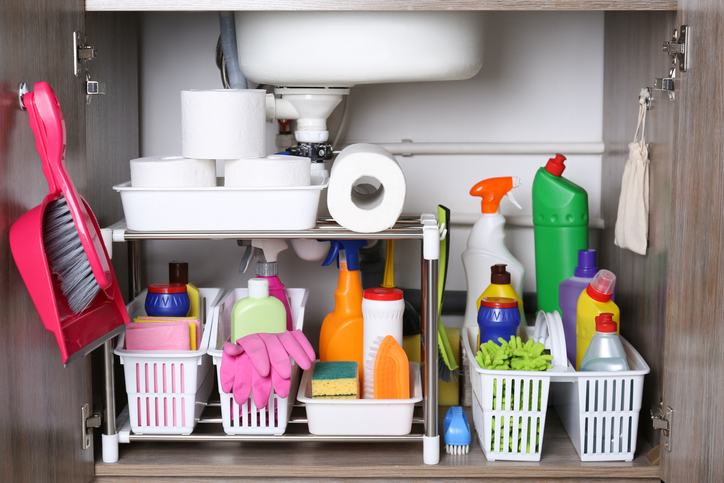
(341, 49)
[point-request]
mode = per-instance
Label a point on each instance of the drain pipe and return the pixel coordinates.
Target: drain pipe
(231, 56)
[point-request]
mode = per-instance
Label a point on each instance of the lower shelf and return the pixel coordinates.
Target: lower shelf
(285, 459)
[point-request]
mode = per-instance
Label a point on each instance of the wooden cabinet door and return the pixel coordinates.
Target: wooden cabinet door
(693, 367)
(40, 400)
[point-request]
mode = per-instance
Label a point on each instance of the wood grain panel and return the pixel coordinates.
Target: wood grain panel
(178, 5)
(632, 58)
(40, 401)
(146, 460)
(694, 337)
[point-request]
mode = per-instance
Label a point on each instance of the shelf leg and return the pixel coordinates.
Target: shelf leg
(431, 255)
(109, 438)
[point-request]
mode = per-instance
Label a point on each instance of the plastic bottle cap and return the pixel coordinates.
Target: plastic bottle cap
(499, 275)
(178, 272)
(601, 287)
(586, 264)
(382, 293)
(605, 323)
(555, 165)
(167, 288)
(258, 287)
(498, 302)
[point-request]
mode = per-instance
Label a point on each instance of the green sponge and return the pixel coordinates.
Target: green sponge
(513, 355)
(335, 380)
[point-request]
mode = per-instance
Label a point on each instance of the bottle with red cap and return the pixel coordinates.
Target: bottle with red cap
(497, 317)
(605, 353)
(382, 309)
(594, 301)
(560, 229)
(167, 300)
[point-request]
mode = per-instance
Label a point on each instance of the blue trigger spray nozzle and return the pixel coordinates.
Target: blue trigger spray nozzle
(350, 250)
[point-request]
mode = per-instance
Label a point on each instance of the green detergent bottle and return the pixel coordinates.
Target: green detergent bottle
(560, 220)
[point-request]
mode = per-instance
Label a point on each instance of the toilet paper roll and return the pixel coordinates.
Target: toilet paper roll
(274, 170)
(223, 123)
(367, 189)
(172, 172)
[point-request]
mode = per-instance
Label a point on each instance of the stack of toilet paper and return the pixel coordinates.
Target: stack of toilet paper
(224, 124)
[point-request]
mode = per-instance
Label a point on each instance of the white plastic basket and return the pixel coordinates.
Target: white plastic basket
(600, 410)
(168, 390)
(247, 418)
(283, 208)
(360, 417)
(509, 408)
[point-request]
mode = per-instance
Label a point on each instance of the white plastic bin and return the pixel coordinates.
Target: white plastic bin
(221, 208)
(168, 390)
(248, 419)
(360, 417)
(600, 410)
(509, 408)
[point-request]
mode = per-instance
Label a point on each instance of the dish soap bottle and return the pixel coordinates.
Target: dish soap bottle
(569, 292)
(500, 287)
(605, 353)
(258, 312)
(342, 334)
(486, 244)
(266, 251)
(594, 301)
(178, 272)
(560, 229)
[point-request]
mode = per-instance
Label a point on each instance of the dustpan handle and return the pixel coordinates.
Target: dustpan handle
(48, 125)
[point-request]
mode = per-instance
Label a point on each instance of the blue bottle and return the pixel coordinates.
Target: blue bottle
(497, 317)
(167, 300)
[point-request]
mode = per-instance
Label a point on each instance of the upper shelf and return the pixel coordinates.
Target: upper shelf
(214, 5)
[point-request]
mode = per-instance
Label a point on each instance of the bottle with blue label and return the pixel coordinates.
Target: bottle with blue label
(497, 317)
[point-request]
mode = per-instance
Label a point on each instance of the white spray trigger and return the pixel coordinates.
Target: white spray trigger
(270, 247)
(509, 194)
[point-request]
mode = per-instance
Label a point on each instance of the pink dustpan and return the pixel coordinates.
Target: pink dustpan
(105, 315)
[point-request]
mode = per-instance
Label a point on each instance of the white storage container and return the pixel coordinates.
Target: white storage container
(220, 208)
(600, 410)
(247, 418)
(168, 390)
(360, 417)
(509, 408)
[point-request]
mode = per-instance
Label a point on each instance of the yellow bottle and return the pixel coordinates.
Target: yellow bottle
(500, 287)
(594, 301)
(178, 272)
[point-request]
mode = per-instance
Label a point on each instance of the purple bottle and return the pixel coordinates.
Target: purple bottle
(568, 292)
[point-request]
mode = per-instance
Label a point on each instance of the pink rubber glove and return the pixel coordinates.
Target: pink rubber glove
(243, 379)
(282, 385)
(227, 371)
(255, 348)
(262, 386)
(297, 346)
(278, 356)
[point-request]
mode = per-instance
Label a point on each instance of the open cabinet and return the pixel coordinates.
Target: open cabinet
(673, 292)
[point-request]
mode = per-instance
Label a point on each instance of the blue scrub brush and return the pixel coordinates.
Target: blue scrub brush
(456, 431)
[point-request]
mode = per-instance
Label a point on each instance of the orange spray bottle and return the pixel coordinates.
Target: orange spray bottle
(342, 333)
(486, 245)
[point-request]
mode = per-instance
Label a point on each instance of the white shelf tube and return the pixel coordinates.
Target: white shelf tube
(414, 148)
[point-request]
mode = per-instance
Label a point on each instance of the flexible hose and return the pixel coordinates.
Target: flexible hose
(228, 46)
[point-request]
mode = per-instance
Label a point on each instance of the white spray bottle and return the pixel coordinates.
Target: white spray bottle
(486, 244)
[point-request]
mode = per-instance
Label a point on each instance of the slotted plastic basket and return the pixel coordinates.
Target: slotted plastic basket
(247, 418)
(509, 408)
(168, 390)
(600, 410)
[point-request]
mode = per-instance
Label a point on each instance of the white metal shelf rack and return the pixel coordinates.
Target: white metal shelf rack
(423, 228)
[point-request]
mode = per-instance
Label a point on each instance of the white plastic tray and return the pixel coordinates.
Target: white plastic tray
(168, 390)
(360, 417)
(220, 208)
(247, 418)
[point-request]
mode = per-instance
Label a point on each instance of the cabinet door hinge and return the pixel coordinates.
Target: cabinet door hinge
(88, 423)
(678, 48)
(661, 419)
(81, 55)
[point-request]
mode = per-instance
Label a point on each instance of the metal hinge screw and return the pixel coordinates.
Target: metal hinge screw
(88, 423)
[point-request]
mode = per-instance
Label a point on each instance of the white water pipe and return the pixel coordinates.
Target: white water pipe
(412, 148)
(467, 219)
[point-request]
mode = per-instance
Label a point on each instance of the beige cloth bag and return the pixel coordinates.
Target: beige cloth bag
(632, 224)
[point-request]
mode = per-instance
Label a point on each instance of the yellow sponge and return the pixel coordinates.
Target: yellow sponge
(335, 380)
